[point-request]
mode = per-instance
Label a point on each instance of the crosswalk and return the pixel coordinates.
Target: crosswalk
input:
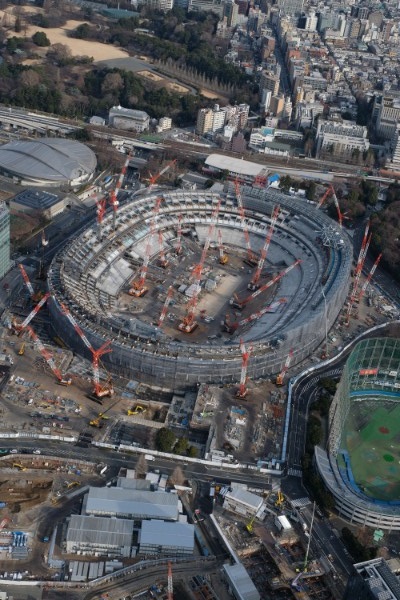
(300, 502)
(295, 472)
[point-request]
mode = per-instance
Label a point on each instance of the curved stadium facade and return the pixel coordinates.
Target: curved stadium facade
(362, 465)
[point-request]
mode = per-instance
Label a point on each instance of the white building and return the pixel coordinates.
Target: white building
(128, 119)
(243, 502)
(162, 537)
(260, 136)
(164, 124)
(343, 139)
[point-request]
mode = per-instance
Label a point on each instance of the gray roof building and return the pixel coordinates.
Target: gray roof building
(133, 504)
(162, 537)
(240, 583)
(101, 535)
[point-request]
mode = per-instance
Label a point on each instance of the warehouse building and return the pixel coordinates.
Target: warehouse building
(172, 539)
(131, 504)
(99, 536)
(128, 119)
(243, 502)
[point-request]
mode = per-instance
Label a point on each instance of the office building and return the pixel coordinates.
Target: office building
(4, 239)
(128, 119)
(36, 202)
(171, 539)
(342, 140)
(387, 111)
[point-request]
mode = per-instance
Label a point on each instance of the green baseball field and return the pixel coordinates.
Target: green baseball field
(372, 439)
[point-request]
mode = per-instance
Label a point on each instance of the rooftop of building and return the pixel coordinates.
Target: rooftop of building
(129, 113)
(101, 531)
(35, 199)
(381, 581)
(241, 581)
(242, 496)
(234, 165)
(162, 533)
(120, 501)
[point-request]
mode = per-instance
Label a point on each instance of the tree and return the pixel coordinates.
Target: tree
(192, 452)
(177, 476)
(141, 466)
(328, 384)
(181, 446)
(60, 53)
(165, 440)
(310, 193)
(40, 39)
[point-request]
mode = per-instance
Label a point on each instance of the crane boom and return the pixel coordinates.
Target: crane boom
(114, 194)
(178, 247)
(280, 378)
(75, 325)
(360, 263)
(167, 302)
(188, 323)
(48, 357)
(246, 353)
(264, 251)
(33, 313)
(370, 276)
(223, 259)
(250, 255)
(170, 585)
(231, 327)
(331, 191)
(241, 303)
(153, 180)
(100, 390)
(26, 280)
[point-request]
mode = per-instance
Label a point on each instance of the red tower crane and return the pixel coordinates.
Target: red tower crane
(223, 258)
(21, 326)
(254, 282)
(139, 288)
(331, 192)
(48, 357)
(370, 276)
(170, 585)
(99, 390)
(241, 303)
(231, 327)
(360, 263)
(163, 261)
(189, 323)
(167, 302)
(178, 247)
(114, 194)
(246, 353)
(281, 376)
(251, 258)
(100, 211)
(154, 178)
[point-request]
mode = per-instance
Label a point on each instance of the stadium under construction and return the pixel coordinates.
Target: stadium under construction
(175, 280)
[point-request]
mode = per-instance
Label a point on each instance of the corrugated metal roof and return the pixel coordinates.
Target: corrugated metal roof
(135, 503)
(162, 533)
(244, 497)
(234, 165)
(101, 531)
(241, 582)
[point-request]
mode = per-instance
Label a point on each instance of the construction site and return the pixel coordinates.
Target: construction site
(185, 288)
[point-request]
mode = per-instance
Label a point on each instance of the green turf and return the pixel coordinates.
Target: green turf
(372, 439)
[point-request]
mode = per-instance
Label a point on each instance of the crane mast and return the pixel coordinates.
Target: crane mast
(331, 191)
(360, 263)
(231, 327)
(246, 353)
(170, 585)
(254, 282)
(251, 258)
(167, 302)
(163, 261)
(114, 194)
(178, 247)
(241, 303)
(26, 280)
(100, 212)
(48, 357)
(188, 323)
(281, 376)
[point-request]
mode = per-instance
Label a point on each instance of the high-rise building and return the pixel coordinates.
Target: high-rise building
(4, 239)
(388, 115)
(231, 12)
(269, 82)
(291, 7)
(372, 580)
(205, 119)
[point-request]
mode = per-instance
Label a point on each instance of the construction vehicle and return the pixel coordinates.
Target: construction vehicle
(360, 264)
(19, 467)
(21, 350)
(48, 357)
(72, 484)
(281, 376)
(251, 258)
(189, 324)
(249, 525)
(20, 327)
(102, 416)
(232, 327)
(35, 296)
(167, 302)
(256, 277)
(242, 391)
(100, 390)
(137, 410)
(223, 258)
(280, 499)
(240, 304)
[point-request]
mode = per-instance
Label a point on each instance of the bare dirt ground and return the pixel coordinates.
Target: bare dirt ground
(171, 85)
(59, 35)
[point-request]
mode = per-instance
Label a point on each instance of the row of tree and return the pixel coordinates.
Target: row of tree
(167, 441)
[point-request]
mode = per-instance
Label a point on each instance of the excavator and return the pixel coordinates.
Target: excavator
(136, 410)
(280, 499)
(98, 421)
